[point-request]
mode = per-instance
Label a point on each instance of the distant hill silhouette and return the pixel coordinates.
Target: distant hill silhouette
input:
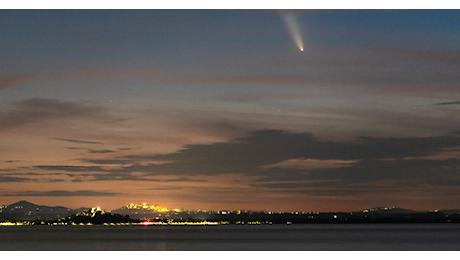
(391, 210)
(24, 210)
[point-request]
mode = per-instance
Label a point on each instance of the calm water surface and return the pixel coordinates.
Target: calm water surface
(234, 237)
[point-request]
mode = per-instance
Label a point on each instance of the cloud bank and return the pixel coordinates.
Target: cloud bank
(37, 110)
(63, 193)
(296, 162)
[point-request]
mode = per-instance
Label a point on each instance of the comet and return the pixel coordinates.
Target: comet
(293, 28)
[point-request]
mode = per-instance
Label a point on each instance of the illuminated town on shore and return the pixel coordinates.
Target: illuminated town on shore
(145, 206)
(143, 214)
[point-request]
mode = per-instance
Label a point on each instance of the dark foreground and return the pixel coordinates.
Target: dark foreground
(234, 237)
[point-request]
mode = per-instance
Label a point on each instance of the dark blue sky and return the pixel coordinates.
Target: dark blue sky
(220, 108)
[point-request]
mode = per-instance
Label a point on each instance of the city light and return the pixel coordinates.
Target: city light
(146, 206)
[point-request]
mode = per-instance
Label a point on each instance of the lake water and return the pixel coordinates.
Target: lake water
(318, 237)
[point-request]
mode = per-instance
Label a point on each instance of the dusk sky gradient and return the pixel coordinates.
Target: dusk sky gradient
(219, 109)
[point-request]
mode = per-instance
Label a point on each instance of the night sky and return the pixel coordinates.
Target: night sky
(220, 109)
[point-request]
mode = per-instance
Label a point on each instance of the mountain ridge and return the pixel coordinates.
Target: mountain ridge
(26, 210)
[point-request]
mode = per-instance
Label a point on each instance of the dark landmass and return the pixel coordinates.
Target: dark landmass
(313, 217)
(142, 213)
(94, 216)
(24, 210)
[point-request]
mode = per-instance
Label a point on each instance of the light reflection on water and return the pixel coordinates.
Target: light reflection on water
(234, 237)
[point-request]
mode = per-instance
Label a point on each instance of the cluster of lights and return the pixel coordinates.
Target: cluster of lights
(375, 209)
(145, 206)
(252, 222)
(92, 212)
(18, 223)
(145, 223)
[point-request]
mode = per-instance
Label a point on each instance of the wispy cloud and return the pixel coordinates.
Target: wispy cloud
(100, 151)
(116, 176)
(91, 150)
(39, 110)
(22, 179)
(63, 193)
(447, 103)
(77, 141)
(71, 168)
